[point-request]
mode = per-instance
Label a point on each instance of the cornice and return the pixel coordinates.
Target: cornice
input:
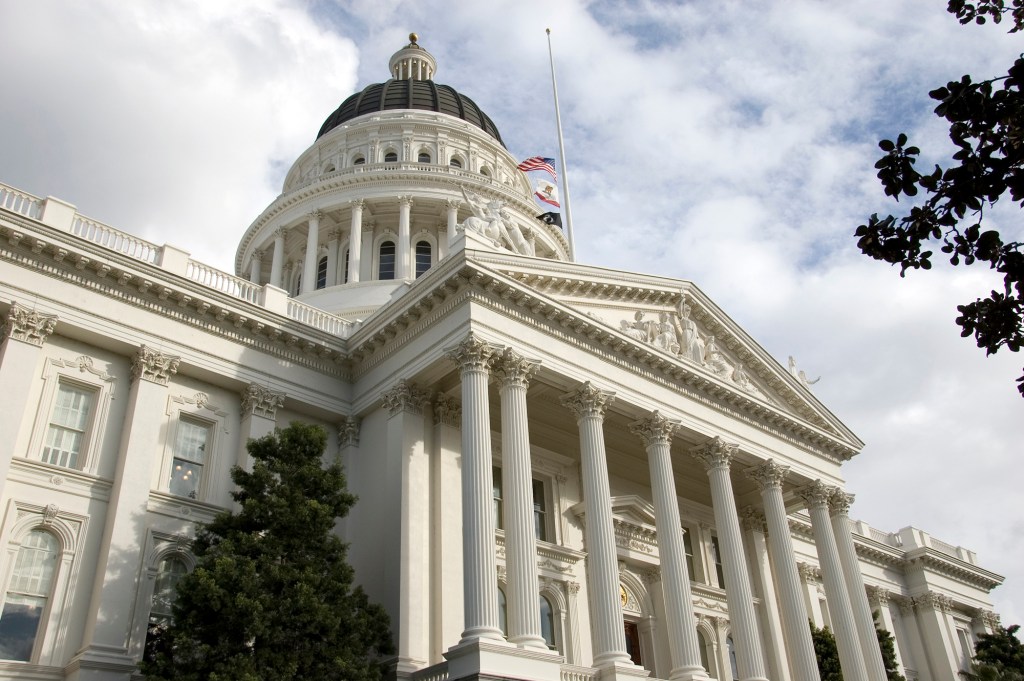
(927, 558)
(66, 257)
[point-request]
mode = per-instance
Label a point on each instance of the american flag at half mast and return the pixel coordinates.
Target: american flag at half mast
(539, 163)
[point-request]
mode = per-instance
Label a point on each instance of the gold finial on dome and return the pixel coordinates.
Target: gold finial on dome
(413, 38)
(412, 62)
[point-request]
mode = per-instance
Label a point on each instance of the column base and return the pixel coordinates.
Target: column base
(104, 663)
(689, 674)
(621, 671)
(485, 658)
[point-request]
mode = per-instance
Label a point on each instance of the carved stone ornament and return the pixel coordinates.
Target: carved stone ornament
(816, 494)
(654, 429)
(27, 325)
(348, 431)
(404, 397)
(261, 401)
(512, 369)
(753, 519)
(472, 354)
(906, 605)
(768, 475)
(587, 400)
(877, 596)
(715, 453)
(153, 366)
(935, 600)
(839, 502)
(989, 619)
(572, 588)
(50, 513)
(447, 411)
(809, 574)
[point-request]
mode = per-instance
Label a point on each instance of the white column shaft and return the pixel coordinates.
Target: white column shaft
(355, 241)
(254, 268)
(851, 659)
(277, 261)
(402, 270)
(332, 259)
(858, 597)
(453, 215)
(520, 547)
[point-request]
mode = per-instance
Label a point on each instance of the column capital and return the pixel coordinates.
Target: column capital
(404, 397)
(877, 596)
(512, 369)
(715, 453)
(405, 200)
(935, 600)
(153, 366)
(281, 233)
(654, 429)
(357, 204)
(905, 604)
(348, 431)
(336, 234)
(586, 400)
(453, 204)
(753, 519)
(989, 619)
(261, 401)
(27, 325)
(816, 494)
(257, 255)
(808, 573)
(315, 214)
(472, 354)
(768, 475)
(839, 502)
(447, 411)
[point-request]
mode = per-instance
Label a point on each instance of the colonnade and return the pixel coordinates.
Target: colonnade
(405, 261)
(478, 361)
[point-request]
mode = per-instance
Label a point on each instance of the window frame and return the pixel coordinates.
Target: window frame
(377, 257)
(198, 410)
(321, 273)
(87, 377)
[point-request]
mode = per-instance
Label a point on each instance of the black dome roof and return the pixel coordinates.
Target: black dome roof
(425, 95)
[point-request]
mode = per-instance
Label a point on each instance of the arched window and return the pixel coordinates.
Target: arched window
(455, 163)
(165, 590)
(390, 157)
(502, 612)
(386, 261)
(422, 257)
(424, 157)
(344, 273)
(732, 657)
(359, 160)
(485, 171)
(321, 273)
(329, 168)
(702, 644)
(27, 595)
(547, 622)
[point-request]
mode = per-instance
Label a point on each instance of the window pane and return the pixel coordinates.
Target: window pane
(424, 158)
(547, 622)
(502, 612)
(26, 599)
(716, 553)
(64, 437)
(321, 273)
(386, 267)
(688, 547)
(189, 457)
(169, 573)
(390, 157)
(344, 277)
(455, 163)
(359, 161)
(539, 514)
(422, 257)
(498, 510)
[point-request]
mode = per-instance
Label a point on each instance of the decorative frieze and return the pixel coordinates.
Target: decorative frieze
(447, 411)
(153, 366)
(261, 401)
(28, 326)
(404, 397)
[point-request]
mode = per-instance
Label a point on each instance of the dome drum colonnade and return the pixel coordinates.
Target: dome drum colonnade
(480, 361)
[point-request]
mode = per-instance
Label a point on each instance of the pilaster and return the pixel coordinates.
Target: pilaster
(259, 405)
(940, 642)
(447, 511)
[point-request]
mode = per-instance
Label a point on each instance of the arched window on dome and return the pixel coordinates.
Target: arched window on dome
(485, 171)
(28, 595)
(321, 273)
(424, 157)
(329, 168)
(455, 162)
(386, 260)
(547, 622)
(424, 254)
(391, 157)
(359, 160)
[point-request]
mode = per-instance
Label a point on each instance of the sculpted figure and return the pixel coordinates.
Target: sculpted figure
(645, 328)
(627, 328)
(665, 334)
(800, 375)
(691, 345)
(491, 222)
(714, 358)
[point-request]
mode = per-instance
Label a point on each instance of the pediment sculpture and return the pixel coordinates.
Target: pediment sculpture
(493, 223)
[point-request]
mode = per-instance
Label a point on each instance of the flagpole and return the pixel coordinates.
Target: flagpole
(561, 152)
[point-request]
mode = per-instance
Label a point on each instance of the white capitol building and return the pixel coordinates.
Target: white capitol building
(565, 472)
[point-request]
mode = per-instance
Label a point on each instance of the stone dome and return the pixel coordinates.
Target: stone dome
(411, 87)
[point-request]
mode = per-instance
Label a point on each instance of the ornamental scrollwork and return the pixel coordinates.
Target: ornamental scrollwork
(28, 326)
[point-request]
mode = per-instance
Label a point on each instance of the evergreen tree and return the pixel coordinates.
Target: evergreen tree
(826, 652)
(271, 598)
(999, 656)
(887, 645)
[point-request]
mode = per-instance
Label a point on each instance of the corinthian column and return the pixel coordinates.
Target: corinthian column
(277, 259)
(769, 477)
(452, 206)
(312, 244)
(589, 405)
(480, 589)
(839, 505)
(851, 658)
(513, 373)
(403, 266)
(355, 240)
(656, 432)
(716, 456)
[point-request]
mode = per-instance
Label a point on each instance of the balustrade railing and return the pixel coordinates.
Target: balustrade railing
(317, 318)
(115, 240)
(21, 203)
(223, 282)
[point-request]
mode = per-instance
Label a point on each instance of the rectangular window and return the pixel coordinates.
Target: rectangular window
(498, 519)
(189, 458)
(321, 273)
(540, 516)
(688, 547)
(68, 423)
(716, 555)
(966, 649)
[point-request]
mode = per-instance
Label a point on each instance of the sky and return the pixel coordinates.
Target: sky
(731, 144)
